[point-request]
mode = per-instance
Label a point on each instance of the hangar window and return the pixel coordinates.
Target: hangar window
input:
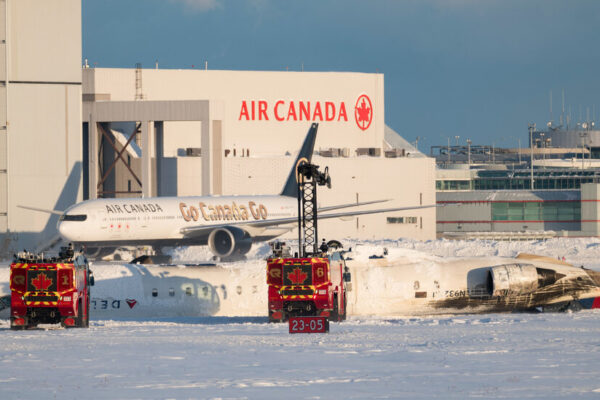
(401, 220)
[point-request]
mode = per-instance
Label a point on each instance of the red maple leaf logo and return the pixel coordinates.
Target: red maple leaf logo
(363, 112)
(297, 276)
(41, 282)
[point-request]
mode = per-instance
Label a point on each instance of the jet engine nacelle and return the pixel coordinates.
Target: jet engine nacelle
(229, 242)
(516, 279)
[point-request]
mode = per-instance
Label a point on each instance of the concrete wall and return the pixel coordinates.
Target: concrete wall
(40, 118)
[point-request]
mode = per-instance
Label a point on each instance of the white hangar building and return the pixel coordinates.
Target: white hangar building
(40, 118)
(245, 132)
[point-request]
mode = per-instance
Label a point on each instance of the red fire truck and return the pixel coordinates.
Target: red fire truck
(50, 290)
(314, 282)
(309, 286)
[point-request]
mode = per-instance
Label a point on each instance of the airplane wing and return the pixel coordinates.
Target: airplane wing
(338, 207)
(199, 230)
(57, 212)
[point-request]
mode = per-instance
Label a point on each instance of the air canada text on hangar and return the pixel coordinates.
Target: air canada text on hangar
(301, 110)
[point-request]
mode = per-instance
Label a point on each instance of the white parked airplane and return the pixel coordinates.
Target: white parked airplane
(228, 224)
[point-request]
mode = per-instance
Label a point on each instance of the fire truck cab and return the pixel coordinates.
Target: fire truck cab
(310, 286)
(50, 290)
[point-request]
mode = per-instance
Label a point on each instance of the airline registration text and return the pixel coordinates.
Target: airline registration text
(223, 212)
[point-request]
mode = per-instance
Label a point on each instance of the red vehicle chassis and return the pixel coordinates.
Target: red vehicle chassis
(50, 293)
(314, 286)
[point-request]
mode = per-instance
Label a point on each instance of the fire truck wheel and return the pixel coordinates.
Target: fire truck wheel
(272, 320)
(335, 314)
(86, 322)
(18, 327)
(79, 318)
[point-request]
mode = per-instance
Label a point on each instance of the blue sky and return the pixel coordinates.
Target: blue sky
(478, 69)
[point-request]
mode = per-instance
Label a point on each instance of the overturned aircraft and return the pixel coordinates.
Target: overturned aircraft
(413, 285)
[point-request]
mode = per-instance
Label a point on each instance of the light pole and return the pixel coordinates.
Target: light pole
(546, 145)
(541, 145)
(583, 136)
(469, 152)
(531, 128)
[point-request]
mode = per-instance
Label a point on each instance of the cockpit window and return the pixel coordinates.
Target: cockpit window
(73, 217)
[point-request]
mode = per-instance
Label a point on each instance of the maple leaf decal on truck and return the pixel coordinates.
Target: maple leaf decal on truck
(41, 282)
(297, 276)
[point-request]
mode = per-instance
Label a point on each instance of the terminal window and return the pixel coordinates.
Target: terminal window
(536, 211)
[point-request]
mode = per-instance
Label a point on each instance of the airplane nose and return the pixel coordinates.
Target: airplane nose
(65, 231)
(61, 227)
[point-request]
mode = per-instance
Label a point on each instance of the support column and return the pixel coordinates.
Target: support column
(147, 146)
(206, 144)
(93, 157)
(217, 154)
(159, 141)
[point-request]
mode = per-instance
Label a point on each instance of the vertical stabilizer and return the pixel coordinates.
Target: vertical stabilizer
(291, 185)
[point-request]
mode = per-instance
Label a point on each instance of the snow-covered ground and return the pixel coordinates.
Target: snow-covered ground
(491, 356)
(483, 356)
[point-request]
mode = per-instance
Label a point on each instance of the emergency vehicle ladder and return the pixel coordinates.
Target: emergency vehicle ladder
(309, 177)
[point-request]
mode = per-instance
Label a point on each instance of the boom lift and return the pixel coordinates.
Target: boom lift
(313, 282)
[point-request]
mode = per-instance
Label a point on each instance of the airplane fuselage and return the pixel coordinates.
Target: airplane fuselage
(163, 220)
(400, 287)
